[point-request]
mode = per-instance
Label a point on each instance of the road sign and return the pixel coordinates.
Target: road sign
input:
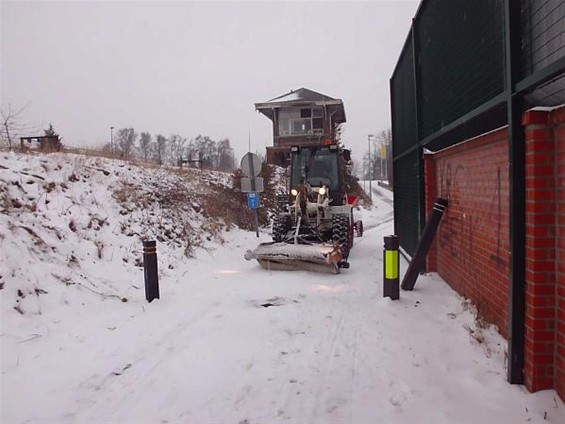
(251, 164)
(252, 184)
(253, 200)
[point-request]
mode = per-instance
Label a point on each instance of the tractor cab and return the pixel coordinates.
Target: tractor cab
(318, 166)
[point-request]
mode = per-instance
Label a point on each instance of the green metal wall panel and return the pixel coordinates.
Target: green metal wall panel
(543, 33)
(403, 86)
(449, 83)
(406, 201)
(461, 59)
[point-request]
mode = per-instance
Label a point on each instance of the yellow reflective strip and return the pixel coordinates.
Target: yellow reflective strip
(391, 264)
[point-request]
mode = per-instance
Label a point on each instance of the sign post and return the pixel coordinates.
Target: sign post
(253, 200)
(253, 203)
(253, 185)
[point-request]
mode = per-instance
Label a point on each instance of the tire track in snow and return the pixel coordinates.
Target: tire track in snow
(333, 335)
(145, 367)
(355, 357)
(383, 197)
(387, 218)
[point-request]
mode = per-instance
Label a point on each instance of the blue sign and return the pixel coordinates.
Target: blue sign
(253, 200)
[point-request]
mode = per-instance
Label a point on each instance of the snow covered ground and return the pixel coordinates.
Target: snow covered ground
(227, 342)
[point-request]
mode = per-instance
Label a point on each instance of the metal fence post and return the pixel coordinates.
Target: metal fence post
(419, 259)
(150, 270)
(391, 269)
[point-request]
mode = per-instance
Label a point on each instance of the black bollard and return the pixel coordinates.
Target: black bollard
(150, 270)
(418, 261)
(391, 268)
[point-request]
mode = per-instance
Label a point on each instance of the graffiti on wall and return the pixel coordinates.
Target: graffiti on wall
(458, 228)
(497, 256)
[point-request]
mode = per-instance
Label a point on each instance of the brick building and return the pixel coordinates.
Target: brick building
(478, 118)
(301, 117)
(471, 250)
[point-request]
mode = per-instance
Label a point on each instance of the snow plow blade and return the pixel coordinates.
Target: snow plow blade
(294, 257)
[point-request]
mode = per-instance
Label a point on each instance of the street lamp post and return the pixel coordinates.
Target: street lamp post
(382, 149)
(386, 163)
(370, 162)
(112, 139)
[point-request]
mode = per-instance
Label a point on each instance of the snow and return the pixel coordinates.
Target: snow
(327, 349)
(546, 108)
(293, 95)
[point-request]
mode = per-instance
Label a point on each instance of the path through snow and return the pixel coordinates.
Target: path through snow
(327, 349)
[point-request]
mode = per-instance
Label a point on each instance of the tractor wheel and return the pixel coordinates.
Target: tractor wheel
(281, 225)
(341, 232)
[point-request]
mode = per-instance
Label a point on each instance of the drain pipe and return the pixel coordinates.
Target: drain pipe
(517, 206)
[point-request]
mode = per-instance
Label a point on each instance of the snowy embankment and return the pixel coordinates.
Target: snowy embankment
(228, 342)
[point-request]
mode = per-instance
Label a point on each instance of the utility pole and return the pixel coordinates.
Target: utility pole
(370, 170)
(112, 139)
(382, 149)
(385, 160)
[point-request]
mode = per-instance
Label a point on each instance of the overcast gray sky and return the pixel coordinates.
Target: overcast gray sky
(197, 67)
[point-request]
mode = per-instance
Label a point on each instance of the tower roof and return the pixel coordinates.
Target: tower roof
(302, 97)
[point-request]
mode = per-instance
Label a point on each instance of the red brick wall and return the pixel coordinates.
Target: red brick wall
(471, 249)
(431, 196)
(558, 122)
(540, 251)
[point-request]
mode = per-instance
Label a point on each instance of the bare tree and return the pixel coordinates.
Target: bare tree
(145, 144)
(160, 149)
(12, 126)
(384, 137)
(191, 150)
(126, 141)
(176, 147)
(206, 150)
(370, 164)
(225, 155)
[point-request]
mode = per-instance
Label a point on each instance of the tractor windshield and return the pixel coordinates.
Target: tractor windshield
(317, 167)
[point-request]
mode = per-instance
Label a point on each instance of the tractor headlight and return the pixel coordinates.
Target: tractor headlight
(322, 191)
(294, 192)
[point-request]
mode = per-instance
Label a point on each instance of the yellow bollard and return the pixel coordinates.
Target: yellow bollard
(391, 269)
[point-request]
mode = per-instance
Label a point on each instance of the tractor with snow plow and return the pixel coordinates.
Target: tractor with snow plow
(316, 230)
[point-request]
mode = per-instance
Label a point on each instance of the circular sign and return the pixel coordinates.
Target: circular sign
(251, 164)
